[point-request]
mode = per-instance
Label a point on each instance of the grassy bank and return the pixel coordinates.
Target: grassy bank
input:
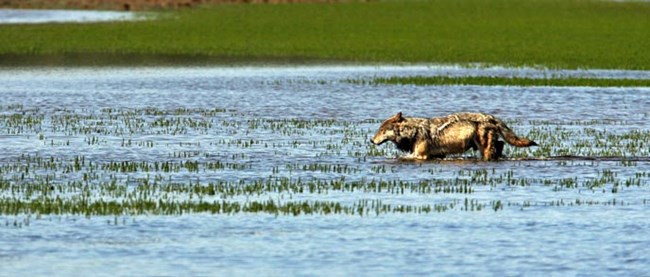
(133, 5)
(553, 33)
(506, 81)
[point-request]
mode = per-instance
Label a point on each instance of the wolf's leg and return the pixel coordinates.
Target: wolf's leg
(482, 140)
(477, 144)
(490, 143)
(498, 147)
(421, 150)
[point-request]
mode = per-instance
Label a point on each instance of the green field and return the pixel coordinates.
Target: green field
(549, 33)
(505, 81)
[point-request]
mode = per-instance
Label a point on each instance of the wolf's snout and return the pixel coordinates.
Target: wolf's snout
(376, 141)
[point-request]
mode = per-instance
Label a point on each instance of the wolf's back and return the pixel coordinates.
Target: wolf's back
(492, 122)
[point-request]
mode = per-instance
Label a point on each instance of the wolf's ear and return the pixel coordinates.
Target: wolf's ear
(398, 117)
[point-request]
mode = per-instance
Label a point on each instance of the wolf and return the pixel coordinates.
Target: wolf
(431, 138)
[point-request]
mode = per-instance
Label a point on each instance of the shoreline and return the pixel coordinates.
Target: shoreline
(8, 61)
(139, 5)
(373, 74)
(108, 60)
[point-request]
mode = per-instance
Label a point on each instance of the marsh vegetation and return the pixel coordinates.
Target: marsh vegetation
(114, 161)
(181, 157)
(505, 81)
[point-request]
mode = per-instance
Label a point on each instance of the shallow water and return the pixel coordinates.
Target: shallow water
(298, 137)
(21, 16)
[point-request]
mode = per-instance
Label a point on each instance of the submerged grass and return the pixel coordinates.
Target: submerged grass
(552, 33)
(505, 81)
(175, 161)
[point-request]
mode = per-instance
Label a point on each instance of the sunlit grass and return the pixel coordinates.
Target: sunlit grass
(551, 33)
(505, 81)
(345, 176)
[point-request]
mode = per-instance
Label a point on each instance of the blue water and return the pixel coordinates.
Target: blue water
(22, 16)
(541, 228)
(592, 241)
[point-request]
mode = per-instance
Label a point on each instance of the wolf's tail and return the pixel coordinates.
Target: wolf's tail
(510, 137)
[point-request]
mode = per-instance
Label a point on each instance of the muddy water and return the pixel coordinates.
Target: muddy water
(576, 205)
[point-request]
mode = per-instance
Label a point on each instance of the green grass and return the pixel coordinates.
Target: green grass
(506, 81)
(191, 171)
(551, 33)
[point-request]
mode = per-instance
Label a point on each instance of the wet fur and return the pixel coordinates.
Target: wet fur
(453, 134)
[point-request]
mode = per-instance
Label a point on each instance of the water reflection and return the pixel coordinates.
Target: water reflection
(18, 16)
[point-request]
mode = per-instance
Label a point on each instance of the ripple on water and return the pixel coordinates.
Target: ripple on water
(572, 210)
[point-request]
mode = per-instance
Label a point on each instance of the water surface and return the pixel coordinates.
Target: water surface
(21, 16)
(299, 137)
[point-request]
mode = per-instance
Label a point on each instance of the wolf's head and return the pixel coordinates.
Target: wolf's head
(389, 130)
